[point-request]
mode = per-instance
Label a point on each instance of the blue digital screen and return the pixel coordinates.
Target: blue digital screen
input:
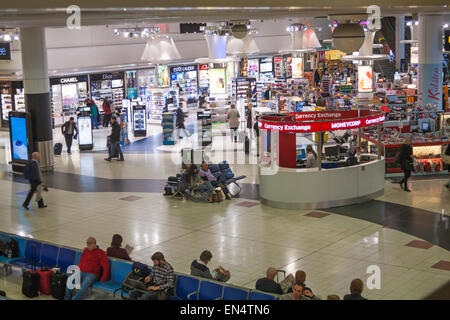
(19, 138)
(301, 154)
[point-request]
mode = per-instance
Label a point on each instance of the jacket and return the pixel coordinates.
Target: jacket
(180, 117)
(95, 262)
(115, 133)
(118, 253)
(34, 173)
(200, 270)
(354, 296)
(445, 158)
(268, 285)
(94, 110)
(249, 119)
(233, 116)
(106, 108)
(406, 157)
(65, 128)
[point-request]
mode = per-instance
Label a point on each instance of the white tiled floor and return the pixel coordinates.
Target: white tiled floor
(332, 250)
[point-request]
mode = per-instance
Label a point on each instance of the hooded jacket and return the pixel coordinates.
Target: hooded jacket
(95, 262)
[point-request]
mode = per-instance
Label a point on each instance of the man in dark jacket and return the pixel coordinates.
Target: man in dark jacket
(406, 163)
(33, 174)
(268, 284)
(356, 288)
(180, 121)
(114, 140)
(68, 130)
(199, 268)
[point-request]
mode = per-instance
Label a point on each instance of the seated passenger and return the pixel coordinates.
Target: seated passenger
(268, 284)
(158, 283)
(93, 263)
(311, 158)
(116, 250)
(356, 288)
(199, 268)
(216, 182)
(300, 276)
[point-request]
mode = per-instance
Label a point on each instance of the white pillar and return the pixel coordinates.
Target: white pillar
(399, 36)
(430, 59)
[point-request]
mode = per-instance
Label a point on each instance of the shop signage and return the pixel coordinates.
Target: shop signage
(183, 69)
(107, 76)
(368, 118)
(266, 65)
(204, 67)
(5, 51)
(68, 80)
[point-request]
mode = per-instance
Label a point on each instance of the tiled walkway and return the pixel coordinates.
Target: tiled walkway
(244, 236)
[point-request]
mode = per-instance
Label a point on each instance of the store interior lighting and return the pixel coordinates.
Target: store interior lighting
(9, 35)
(160, 48)
(143, 32)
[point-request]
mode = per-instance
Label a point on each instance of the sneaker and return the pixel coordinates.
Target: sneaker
(108, 159)
(407, 190)
(121, 160)
(227, 196)
(26, 208)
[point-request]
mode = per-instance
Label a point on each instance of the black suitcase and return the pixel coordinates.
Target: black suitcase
(247, 145)
(57, 149)
(58, 282)
(31, 279)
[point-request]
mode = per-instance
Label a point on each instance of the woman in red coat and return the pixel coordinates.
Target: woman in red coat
(106, 107)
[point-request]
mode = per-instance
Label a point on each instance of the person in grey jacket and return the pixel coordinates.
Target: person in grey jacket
(233, 117)
(199, 268)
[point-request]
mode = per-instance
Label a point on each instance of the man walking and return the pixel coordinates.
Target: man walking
(32, 173)
(114, 140)
(68, 130)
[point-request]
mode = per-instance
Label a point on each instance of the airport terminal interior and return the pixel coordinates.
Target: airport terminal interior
(297, 137)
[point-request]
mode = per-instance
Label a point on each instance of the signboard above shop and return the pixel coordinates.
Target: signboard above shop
(107, 76)
(183, 69)
(68, 80)
(5, 51)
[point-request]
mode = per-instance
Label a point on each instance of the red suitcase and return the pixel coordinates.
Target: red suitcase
(44, 274)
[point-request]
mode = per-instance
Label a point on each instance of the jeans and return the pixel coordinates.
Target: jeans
(115, 146)
(207, 186)
(87, 280)
(94, 122)
(106, 119)
(406, 175)
(69, 139)
(186, 133)
(233, 134)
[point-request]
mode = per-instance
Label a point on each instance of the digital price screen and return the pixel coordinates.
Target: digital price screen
(19, 140)
(5, 51)
(85, 131)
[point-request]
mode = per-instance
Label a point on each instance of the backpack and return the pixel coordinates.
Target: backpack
(13, 246)
(134, 279)
(168, 190)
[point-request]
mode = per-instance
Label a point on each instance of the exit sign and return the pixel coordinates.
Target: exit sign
(5, 51)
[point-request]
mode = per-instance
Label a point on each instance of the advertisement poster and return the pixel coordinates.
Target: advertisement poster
(297, 67)
(253, 68)
(266, 65)
(85, 132)
(430, 84)
(414, 55)
(217, 81)
(163, 76)
(19, 138)
(365, 81)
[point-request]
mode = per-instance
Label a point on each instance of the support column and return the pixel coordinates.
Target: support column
(37, 92)
(399, 36)
(430, 60)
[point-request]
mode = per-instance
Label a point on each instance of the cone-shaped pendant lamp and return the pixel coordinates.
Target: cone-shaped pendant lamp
(242, 47)
(159, 49)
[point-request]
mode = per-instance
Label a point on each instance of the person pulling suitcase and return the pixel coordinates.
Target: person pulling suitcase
(33, 174)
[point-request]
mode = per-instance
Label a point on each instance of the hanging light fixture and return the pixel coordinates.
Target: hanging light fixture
(160, 48)
(242, 47)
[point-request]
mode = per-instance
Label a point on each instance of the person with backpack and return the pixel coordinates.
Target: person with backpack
(406, 162)
(33, 174)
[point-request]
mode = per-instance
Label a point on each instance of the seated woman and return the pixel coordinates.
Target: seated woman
(116, 250)
(311, 158)
(195, 182)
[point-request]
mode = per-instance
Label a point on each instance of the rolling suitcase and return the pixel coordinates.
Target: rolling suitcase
(44, 276)
(31, 279)
(58, 282)
(57, 149)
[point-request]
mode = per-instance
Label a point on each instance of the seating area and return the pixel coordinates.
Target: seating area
(216, 170)
(187, 287)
